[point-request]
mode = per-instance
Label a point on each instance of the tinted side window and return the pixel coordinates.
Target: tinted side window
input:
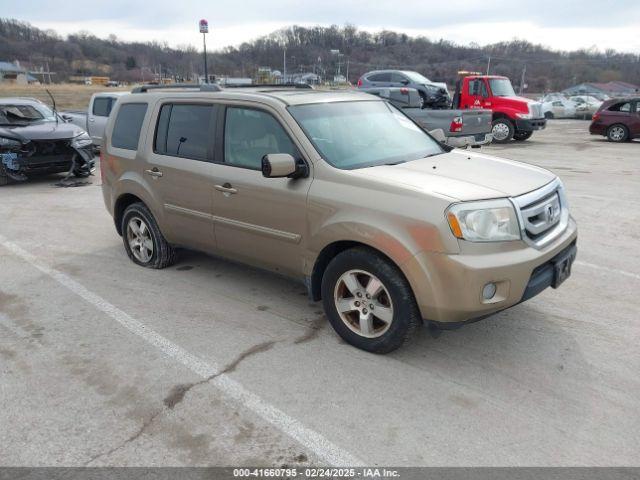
(185, 131)
(380, 77)
(102, 106)
(250, 134)
(620, 107)
(126, 131)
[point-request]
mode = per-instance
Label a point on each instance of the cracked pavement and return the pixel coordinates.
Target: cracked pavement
(550, 382)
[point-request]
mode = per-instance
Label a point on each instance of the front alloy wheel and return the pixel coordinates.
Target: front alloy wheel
(363, 303)
(502, 130)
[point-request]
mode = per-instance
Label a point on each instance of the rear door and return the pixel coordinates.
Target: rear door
(98, 115)
(382, 79)
(258, 220)
(634, 127)
(180, 170)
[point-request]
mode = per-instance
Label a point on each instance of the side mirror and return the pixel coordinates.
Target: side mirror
(66, 118)
(280, 165)
(404, 82)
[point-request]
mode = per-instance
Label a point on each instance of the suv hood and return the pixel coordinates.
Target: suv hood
(42, 131)
(463, 176)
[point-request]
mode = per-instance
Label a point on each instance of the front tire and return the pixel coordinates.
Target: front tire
(617, 133)
(4, 179)
(522, 136)
(549, 115)
(144, 243)
(502, 130)
(368, 301)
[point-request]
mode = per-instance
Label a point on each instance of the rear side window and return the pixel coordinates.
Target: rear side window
(102, 106)
(379, 77)
(621, 107)
(126, 131)
(186, 131)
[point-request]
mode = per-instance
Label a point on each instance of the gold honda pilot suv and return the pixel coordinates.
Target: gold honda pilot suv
(340, 190)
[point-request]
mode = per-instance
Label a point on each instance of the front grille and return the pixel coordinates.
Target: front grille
(52, 147)
(536, 110)
(543, 214)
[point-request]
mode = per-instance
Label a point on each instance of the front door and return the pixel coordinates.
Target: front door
(180, 171)
(258, 220)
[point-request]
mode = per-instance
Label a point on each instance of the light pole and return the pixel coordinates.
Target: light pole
(204, 29)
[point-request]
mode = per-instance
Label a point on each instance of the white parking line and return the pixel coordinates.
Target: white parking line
(309, 438)
(608, 269)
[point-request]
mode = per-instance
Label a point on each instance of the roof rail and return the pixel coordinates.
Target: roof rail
(304, 86)
(204, 87)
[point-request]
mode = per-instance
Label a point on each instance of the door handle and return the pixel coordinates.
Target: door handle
(154, 172)
(226, 188)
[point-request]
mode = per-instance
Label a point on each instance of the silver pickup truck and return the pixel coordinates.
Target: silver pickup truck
(460, 128)
(94, 119)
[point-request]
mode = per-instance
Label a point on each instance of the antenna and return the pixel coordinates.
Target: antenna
(53, 101)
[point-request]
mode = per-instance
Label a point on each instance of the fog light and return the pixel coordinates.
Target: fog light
(488, 291)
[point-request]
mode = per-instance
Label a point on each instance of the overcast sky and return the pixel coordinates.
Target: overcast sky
(559, 24)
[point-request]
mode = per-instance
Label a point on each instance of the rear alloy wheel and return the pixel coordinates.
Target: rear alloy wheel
(617, 133)
(368, 301)
(143, 241)
(522, 136)
(502, 130)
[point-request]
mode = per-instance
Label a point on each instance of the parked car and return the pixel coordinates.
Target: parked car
(557, 106)
(432, 95)
(514, 117)
(34, 139)
(341, 191)
(94, 119)
(586, 105)
(459, 128)
(617, 119)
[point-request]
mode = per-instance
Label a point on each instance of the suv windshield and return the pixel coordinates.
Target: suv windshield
(501, 87)
(25, 114)
(361, 134)
(416, 77)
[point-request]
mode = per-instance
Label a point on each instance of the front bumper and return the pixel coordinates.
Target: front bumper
(448, 288)
(531, 124)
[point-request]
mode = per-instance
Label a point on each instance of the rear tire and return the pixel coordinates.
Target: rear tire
(522, 136)
(617, 133)
(348, 294)
(502, 130)
(4, 179)
(144, 243)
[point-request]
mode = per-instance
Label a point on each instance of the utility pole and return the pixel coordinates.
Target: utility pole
(488, 64)
(524, 70)
(204, 29)
(284, 64)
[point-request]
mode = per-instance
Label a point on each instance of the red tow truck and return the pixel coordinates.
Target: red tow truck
(514, 117)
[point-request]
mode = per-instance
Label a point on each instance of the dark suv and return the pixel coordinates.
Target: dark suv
(432, 95)
(617, 119)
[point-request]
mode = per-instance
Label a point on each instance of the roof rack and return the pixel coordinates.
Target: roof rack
(204, 87)
(304, 86)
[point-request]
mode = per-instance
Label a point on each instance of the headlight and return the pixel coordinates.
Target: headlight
(484, 221)
(82, 140)
(9, 143)
(525, 116)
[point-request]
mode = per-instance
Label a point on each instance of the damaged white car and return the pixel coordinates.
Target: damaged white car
(35, 139)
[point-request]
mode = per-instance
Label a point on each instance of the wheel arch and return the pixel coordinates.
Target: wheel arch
(120, 206)
(329, 252)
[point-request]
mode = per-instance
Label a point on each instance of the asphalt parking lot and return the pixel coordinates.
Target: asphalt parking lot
(213, 363)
